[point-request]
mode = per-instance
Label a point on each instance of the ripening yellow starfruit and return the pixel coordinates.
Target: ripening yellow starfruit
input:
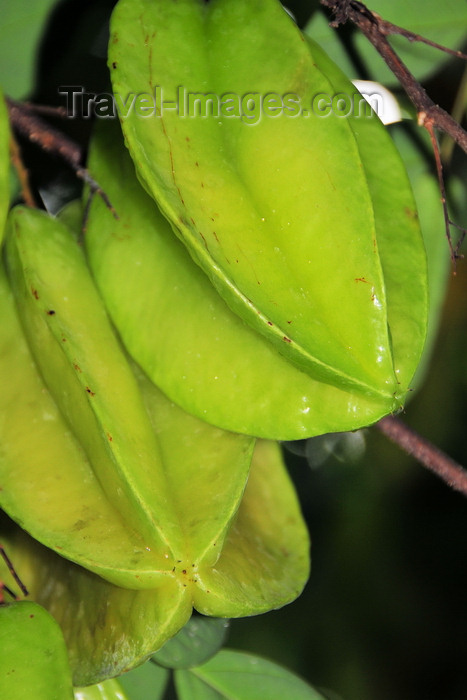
(300, 216)
(159, 511)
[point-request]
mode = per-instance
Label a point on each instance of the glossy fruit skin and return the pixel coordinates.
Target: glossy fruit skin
(178, 328)
(278, 213)
(33, 657)
(243, 547)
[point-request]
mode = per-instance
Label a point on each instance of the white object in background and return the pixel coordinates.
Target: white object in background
(381, 100)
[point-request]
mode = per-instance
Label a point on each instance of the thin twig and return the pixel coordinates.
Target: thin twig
(390, 28)
(50, 140)
(4, 587)
(12, 571)
(376, 30)
(425, 452)
(46, 109)
(23, 175)
(458, 110)
(455, 254)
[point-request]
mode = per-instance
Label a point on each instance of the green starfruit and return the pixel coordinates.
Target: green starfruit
(263, 563)
(233, 543)
(176, 326)
(279, 204)
(33, 656)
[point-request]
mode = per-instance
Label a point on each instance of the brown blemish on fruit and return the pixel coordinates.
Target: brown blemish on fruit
(411, 213)
(50, 312)
(287, 340)
(90, 392)
(35, 293)
(77, 367)
(361, 279)
(206, 245)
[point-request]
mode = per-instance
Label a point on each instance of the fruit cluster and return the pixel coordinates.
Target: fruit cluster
(258, 283)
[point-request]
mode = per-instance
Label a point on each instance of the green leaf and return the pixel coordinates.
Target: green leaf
(427, 195)
(4, 165)
(182, 333)
(108, 690)
(232, 674)
(319, 30)
(198, 641)
(21, 31)
(273, 227)
(33, 659)
(147, 682)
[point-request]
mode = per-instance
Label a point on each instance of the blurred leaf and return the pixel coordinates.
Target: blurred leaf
(329, 39)
(232, 674)
(147, 682)
(21, 30)
(5, 192)
(344, 447)
(107, 690)
(201, 638)
(443, 23)
(415, 148)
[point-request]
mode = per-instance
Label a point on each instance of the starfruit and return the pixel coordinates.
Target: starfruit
(152, 502)
(109, 629)
(179, 329)
(33, 656)
(301, 221)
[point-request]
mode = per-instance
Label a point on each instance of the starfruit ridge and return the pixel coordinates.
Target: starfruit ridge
(176, 326)
(201, 178)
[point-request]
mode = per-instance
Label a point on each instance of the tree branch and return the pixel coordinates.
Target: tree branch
(12, 571)
(425, 452)
(376, 30)
(25, 122)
